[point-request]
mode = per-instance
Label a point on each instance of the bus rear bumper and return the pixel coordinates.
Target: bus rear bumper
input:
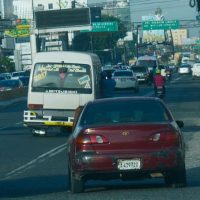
(32, 119)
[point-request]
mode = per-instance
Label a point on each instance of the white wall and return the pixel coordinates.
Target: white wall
(57, 4)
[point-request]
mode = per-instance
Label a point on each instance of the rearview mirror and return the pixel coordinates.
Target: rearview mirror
(180, 123)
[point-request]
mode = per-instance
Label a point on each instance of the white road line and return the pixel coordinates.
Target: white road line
(5, 127)
(18, 123)
(34, 162)
(176, 79)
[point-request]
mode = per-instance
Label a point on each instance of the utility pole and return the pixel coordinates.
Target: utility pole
(32, 4)
(73, 4)
(59, 4)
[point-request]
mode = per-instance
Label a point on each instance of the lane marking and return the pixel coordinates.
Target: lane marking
(16, 124)
(31, 164)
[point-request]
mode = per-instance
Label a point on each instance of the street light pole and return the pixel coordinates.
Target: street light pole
(32, 3)
(137, 34)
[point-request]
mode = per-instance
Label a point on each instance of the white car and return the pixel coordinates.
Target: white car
(126, 79)
(184, 60)
(196, 70)
(184, 69)
(16, 75)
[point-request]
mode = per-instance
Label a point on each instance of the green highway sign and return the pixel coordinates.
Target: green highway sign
(196, 47)
(103, 27)
(197, 42)
(160, 25)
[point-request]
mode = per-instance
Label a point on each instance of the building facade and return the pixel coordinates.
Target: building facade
(179, 36)
(24, 8)
(57, 4)
(6, 9)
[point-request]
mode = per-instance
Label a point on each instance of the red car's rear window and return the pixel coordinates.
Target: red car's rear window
(125, 112)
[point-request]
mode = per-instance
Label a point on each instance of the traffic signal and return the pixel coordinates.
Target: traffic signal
(198, 5)
(73, 4)
(95, 14)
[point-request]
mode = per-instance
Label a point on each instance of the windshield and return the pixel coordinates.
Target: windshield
(123, 73)
(148, 63)
(139, 69)
(51, 77)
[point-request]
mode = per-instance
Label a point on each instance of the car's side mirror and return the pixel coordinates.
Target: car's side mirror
(180, 123)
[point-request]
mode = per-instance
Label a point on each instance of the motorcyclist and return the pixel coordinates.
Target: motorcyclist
(108, 85)
(159, 81)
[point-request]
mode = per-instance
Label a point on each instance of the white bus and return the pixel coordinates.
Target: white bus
(59, 83)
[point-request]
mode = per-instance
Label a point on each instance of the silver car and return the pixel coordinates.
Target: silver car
(184, 69)
(126, 79)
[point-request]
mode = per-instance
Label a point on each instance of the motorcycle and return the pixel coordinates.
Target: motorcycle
(160, 92)
(168, 75)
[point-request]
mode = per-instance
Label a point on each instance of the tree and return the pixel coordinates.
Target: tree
(6, 64)
(101, 42)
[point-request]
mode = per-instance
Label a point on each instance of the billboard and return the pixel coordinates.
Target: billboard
(62, 18)
(152, 35)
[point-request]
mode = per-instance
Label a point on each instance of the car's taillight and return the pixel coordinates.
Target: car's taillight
(92, 139)
(85, 140)
(35, 106)
(171, 139)
(166, 138)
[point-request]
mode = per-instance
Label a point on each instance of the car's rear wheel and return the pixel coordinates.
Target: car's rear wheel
(177, 177)
(76, 185)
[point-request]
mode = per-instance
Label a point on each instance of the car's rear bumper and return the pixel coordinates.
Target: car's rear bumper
(124, 86)
(160, 161)
(196, 74)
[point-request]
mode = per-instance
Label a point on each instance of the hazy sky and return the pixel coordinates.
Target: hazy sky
(171, 9)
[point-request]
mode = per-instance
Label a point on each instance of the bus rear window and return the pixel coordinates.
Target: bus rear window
(62, 76)
(147, 63)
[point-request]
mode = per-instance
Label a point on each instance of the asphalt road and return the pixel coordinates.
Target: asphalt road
(36, 167)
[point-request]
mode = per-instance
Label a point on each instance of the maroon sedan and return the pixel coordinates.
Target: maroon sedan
(126, 138)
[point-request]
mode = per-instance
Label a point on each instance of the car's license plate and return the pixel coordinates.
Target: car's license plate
(129, 164)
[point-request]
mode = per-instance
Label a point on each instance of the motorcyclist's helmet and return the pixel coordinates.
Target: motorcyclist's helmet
(158, 71)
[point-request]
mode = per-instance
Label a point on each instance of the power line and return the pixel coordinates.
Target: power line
(147, 9)
(152, 2)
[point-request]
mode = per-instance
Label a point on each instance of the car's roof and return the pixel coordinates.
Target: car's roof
(123, 70)
(185, 65)
(138, 66)
(10, 80)
(147, 57)
(118, 99)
